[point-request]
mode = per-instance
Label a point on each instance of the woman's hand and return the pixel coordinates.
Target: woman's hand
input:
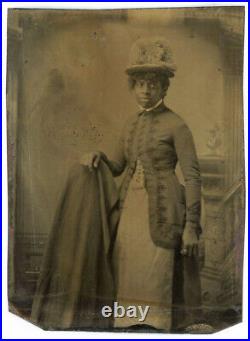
(189, 240)
(91, 160)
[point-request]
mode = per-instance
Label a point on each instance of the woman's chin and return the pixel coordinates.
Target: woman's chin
(146, 104)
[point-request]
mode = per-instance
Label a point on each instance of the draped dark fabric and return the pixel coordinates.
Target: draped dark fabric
(76, 279)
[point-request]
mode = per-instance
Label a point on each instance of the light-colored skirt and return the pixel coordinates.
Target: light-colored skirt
(143, 271)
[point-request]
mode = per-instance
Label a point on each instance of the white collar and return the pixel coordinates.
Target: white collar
(154, 107)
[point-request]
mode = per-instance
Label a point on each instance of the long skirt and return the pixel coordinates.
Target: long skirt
(143, 271)
(148, 275)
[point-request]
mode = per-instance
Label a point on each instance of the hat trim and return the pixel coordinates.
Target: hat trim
(169, 70)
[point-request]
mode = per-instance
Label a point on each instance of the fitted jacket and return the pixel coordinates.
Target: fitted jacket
(160, 138)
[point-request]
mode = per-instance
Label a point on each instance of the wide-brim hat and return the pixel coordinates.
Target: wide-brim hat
(151, 55)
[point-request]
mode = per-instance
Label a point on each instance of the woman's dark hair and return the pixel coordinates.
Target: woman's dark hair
(165, 82)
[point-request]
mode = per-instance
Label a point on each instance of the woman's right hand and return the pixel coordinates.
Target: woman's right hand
(91, 160)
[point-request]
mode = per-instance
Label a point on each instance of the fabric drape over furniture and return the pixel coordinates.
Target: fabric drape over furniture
(76, 278)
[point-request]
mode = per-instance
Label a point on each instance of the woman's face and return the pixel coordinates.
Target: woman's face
(148, 91)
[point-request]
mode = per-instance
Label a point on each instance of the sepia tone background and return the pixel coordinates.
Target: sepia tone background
(67, 94)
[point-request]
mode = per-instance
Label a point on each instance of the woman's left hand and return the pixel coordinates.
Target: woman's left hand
(189, 240)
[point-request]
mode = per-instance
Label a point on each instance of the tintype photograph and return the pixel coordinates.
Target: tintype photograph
(126, 168)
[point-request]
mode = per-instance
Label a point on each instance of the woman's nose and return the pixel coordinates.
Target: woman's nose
(146, 88)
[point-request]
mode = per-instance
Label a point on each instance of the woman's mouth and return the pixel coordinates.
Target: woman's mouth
(145, 99)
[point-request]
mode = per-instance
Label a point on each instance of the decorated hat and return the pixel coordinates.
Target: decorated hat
(151, 55)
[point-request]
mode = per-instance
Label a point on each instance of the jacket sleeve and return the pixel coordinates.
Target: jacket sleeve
(187, 157)
(117, 161)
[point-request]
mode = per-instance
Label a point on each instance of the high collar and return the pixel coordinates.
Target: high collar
(152, 108)
(159, 107)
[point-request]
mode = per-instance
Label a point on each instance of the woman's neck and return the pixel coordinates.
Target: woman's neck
(153, 107)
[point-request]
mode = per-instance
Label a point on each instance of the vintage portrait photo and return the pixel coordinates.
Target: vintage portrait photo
(126, 184)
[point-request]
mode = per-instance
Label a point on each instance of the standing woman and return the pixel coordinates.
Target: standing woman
(156, 247)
